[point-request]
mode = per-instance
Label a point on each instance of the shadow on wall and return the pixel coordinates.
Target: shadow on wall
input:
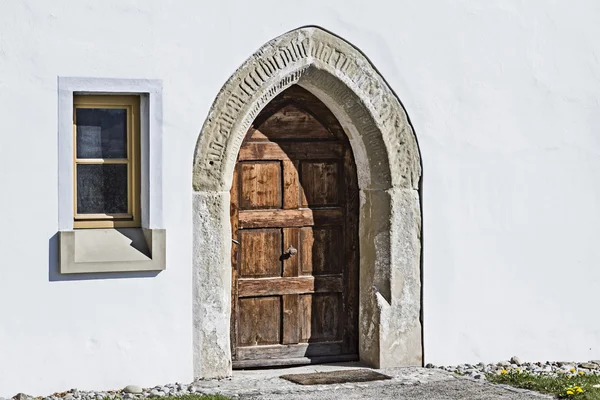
(55, 275)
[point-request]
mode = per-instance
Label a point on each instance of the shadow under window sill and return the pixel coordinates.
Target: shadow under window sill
(83, 251)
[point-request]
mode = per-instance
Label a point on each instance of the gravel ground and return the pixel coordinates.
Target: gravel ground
(478, 371)
(406, 383)
(465, 381)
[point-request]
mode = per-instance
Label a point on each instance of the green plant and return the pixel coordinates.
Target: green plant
(568, 385)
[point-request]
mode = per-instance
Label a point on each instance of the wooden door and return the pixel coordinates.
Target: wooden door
(295, 254)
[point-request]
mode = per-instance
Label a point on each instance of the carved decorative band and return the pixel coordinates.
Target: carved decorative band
(277, 66)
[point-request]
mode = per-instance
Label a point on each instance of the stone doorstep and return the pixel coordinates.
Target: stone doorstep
(266, 381)
(261, 381)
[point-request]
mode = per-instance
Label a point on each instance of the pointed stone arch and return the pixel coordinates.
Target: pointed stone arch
(388, 168)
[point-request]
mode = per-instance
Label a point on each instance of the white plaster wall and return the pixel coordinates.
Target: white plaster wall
(503, 96)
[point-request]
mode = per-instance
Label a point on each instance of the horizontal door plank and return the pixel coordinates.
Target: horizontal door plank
(285, 151)
(281, 286)
(289, 350)
(289, 218)
(281, 362)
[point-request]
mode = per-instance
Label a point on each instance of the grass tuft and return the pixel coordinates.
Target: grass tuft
(564, 386)
(197, 397)
(180, 397)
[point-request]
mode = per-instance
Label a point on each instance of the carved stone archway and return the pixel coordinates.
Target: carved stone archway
(388, 167)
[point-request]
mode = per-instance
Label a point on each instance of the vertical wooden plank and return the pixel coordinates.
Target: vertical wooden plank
(235, 250)
(260, 254)
(301, 189)
(325, 317)
(305, 311)
(327, 250)
(349, 321)
(291, 185)
(291, 319)
(320, 181)
(260, 185)
(291, 238)
(259, 321)
(307, 241)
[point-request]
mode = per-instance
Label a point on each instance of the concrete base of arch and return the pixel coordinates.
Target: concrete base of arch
(388, 168)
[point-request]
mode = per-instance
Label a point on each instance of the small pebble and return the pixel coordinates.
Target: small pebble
(515, 360)
(133, 389)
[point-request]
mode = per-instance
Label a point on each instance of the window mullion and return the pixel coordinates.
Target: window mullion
(102, 161)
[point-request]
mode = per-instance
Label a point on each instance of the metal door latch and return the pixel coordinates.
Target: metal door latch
(291, 251)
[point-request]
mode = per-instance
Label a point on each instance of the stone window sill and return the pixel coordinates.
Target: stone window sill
(112, 250)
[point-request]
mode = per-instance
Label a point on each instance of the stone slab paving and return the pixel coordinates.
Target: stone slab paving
(406, 383)
(441, 390)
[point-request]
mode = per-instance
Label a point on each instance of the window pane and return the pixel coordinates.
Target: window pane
(101, 188)
(101, 132)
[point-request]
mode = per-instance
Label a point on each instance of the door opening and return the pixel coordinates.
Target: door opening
(294, 217)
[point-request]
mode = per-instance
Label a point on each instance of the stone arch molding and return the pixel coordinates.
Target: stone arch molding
(388, 168)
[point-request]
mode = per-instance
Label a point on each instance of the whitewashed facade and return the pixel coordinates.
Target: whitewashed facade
(502, 96)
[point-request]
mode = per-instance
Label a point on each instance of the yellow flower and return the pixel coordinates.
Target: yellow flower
(572, 370)
(570, 392)
(581, 372)
(503, 372)
(579, 390)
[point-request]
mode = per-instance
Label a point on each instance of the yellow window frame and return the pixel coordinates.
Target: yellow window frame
(133, 216)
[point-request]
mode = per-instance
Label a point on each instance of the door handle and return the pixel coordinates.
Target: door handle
(235, 241)
(291, 251)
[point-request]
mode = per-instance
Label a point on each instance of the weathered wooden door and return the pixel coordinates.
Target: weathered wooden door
(295, 254)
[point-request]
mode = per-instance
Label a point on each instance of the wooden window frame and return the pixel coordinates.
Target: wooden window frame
(132, 219)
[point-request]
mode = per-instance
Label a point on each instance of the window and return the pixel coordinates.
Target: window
(106, 171)
(110, 175)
